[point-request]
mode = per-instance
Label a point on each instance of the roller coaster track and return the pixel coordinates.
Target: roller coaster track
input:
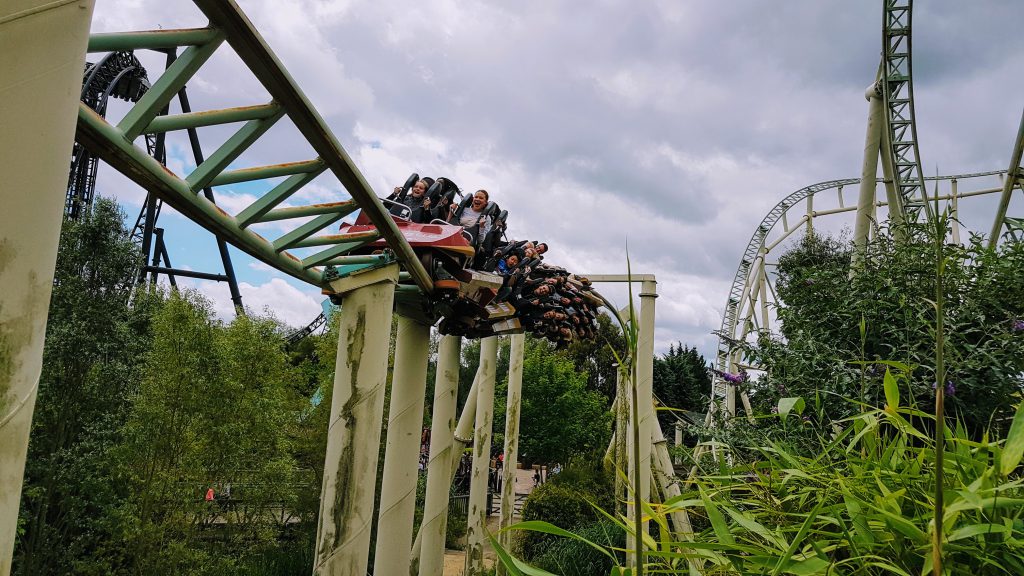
(900, 153)
(118, 75)
(731, 335)
(114, 145)
(898, 91)
(1014, 180)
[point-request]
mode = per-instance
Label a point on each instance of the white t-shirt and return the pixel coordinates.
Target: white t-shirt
(471, 218)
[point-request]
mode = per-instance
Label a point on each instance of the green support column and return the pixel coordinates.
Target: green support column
(353, 434)
(43, 46)
(401, 455)
(481, 458)
(442, 452)
(513, 404)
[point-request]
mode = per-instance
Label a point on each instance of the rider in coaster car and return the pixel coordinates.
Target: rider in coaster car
(414, 195)
(471, 215)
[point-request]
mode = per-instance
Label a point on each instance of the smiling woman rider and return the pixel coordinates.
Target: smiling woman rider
(471, 217)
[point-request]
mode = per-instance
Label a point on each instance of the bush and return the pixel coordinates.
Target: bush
(570, 557)
(835, 327)
(455, 530)
(567, 501)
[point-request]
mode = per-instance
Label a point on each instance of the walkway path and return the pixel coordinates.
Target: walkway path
(455, 560)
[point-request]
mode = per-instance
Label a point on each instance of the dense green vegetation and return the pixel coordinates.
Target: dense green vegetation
(147, 402)
(847, 468)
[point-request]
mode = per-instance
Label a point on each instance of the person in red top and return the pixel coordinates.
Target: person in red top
(209, 495)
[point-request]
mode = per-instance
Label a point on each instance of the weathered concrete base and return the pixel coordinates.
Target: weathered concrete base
(512, 404)
(401, 456)
(435, 506)
(43, 51)
(481, 458)
(353, 437)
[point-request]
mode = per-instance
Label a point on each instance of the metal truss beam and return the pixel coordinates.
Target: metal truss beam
(228, 24)
(898, 92)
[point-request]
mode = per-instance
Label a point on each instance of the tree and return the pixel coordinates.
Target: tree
(596, 357)
(560, 418)
(837, 327)
(94, 345)
(213, 412)
(681, 382)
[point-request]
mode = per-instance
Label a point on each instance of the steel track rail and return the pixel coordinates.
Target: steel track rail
(114, 144)
(898, 91)
(1014, 179)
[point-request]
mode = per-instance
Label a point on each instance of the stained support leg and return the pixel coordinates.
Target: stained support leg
(353, 433)
(868, 173)
(645, 390)
(621, 408)
(665, 477)
(442, 452)
(481, 458)
(401, 452)
(43, 47)
(513, 404)
(462, 438)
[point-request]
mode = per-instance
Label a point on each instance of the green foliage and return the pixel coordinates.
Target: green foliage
(862, 504)
(596, 357)
(213, 411)
(572, 557)
(560, 418)
(455, 531)
(831, 321)
(682, 381)
(567, 500)
(94, 343)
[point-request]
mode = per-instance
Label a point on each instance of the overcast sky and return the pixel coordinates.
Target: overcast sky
(673, 126)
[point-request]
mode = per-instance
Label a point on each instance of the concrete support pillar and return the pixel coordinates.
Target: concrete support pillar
(43, 46)
(353, 434)
(622, 436)
(462, 437)
(664, 475)
(679, 442)
(435, 506)
(512, 404)
(869, 171)
(645, 388)
(481, 458)
(402, 449)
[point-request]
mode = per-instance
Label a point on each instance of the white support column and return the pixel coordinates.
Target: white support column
(401, 456)
(462, 437)
(869, 170)
(645, 390)
(513, 403)
(435, 506)
(622, 438)
(954, 206)
(43, 46)
(664, 474)
(353, 433)
(481, 458)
